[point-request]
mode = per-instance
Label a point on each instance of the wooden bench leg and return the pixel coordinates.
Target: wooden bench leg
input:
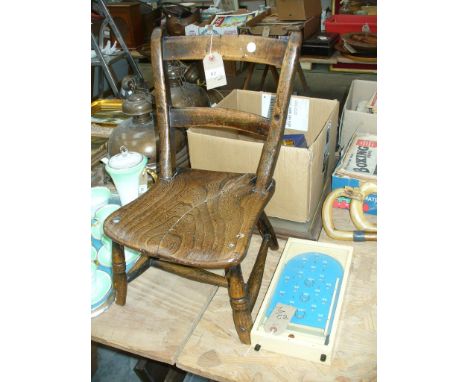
(118, 273)
(239, 303)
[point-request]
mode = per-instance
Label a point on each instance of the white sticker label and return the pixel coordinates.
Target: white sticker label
(214, 70)
(251, 47)
(279, 319)
(298, 112)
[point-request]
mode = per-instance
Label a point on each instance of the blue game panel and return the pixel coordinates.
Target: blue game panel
(307, 282)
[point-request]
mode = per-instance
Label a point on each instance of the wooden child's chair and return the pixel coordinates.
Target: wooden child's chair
(191, 220)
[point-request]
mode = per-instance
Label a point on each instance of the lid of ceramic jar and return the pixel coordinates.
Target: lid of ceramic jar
(126, 159)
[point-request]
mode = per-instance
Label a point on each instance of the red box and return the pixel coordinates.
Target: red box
(350, 23)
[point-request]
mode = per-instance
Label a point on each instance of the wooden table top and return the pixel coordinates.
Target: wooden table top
(159, 316)
(214, 351)
(179, 321)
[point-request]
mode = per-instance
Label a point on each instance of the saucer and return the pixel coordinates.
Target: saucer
(104, 257)
(103, 287)
(131, 255)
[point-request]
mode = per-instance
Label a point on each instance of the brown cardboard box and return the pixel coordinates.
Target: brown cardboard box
(272, 26)
(353, 121)
(300, 173)
(298, 9)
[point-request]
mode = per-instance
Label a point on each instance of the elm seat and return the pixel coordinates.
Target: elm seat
(200, 218)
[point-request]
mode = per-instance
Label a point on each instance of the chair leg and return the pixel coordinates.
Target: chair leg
(302, 78)
(256, 276)
(265, 228)
(240, 303)
(264, 74)
(274, 71)
(118, 273)
(249, 75)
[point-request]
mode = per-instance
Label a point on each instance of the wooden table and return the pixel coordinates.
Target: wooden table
(215, 352)
(158, 318)
(171, 319)
(307, 62)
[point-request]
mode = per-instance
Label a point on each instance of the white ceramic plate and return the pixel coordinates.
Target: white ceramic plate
(103, 286)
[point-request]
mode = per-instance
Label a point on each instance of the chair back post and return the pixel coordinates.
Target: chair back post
(271, 147)
(233, 48)
(162, 102)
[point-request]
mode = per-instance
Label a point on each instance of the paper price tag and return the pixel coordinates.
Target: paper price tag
(279, 319)
(143, 183)
(214, 70)
(298, 111)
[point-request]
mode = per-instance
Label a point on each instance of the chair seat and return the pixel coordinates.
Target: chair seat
(199, 218)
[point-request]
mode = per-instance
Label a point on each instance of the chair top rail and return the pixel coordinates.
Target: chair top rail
(232, 48)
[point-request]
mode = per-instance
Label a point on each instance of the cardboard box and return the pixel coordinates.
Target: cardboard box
(206, 27)
(353, 121)
(196, 30)
(359, 164)
(298, 9)
(300, 173)
(270, 26)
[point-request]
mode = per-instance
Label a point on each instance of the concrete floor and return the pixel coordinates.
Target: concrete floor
(116, 366)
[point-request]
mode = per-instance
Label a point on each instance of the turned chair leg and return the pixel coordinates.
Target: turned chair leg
(256, 276)
(265, 228)
(240, 303)
(118, 273)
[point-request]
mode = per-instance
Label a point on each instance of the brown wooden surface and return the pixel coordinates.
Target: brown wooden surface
(162, 98)
(220, 118)
(128, 19)
(201, 218)
(279, 114)
(214, 351)
(232, 48)
(161, 312)
(191, 273)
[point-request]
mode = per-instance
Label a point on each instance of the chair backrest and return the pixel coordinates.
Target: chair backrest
(264, 50)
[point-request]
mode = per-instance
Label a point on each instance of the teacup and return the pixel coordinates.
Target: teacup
(99, 197)
(97, 223)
